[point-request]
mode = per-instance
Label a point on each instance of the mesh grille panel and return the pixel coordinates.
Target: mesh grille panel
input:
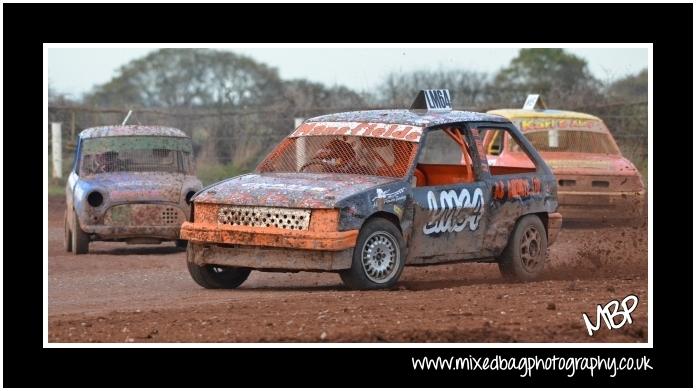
(341, 155)
(295, 219)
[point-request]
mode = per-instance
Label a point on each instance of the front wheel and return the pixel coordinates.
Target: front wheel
(378, 257)
(67, 235)
(217, 276)
(79, 239)
(525, 254)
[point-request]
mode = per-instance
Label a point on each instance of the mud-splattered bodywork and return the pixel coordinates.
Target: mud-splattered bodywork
(256, 220)
(596, 183)
(132, 200)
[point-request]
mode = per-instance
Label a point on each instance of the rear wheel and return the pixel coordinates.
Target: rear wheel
(80, 240)
(378, 257)
(525, 254)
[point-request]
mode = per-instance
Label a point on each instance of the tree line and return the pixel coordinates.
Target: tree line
(215, 79)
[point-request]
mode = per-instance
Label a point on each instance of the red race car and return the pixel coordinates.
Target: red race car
(595, 182)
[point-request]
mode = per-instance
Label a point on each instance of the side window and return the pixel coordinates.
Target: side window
(441, 148)
(504, 152)
(445, 159)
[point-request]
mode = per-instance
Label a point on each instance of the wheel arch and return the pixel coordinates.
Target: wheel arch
(544, 217)
(387, 216)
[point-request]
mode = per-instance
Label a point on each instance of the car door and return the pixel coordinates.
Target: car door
(516, 180)
(450, 203)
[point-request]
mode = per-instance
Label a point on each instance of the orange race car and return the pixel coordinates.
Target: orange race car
(365, 193)
(595, 182)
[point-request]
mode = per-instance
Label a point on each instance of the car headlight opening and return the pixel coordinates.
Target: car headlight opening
(95, 199)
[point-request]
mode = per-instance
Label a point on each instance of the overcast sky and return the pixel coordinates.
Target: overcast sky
(76, 71)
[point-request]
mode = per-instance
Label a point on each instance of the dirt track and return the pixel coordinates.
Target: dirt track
(121, 293)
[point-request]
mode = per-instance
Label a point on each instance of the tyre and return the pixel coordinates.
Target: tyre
(525, 254)
(80, 240)
(378, 257)
(217, 276)
(67, 237)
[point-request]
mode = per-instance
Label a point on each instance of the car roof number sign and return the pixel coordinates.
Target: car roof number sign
(433, 100)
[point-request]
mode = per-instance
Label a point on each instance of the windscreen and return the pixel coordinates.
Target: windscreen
(342, 155)
(567, 135)
(135, 154)
(571, 141)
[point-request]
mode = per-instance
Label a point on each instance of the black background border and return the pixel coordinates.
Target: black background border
(26, 26)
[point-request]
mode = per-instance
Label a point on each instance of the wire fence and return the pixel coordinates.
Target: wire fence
(242, 137)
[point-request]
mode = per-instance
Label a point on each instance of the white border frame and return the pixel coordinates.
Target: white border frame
(505, 345)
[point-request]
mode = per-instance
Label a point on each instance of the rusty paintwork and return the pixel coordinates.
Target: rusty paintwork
(440, 223)
(135, 205)
(592, 186)
(292, 190)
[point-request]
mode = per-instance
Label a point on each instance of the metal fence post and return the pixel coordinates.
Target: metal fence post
(57, 149)
(72, 126)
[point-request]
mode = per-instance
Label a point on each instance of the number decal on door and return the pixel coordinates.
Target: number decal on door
(452, 212)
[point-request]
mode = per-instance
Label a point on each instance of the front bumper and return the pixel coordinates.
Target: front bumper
(269, 237)
(268, 258)
(106, 232)
(601, 206)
